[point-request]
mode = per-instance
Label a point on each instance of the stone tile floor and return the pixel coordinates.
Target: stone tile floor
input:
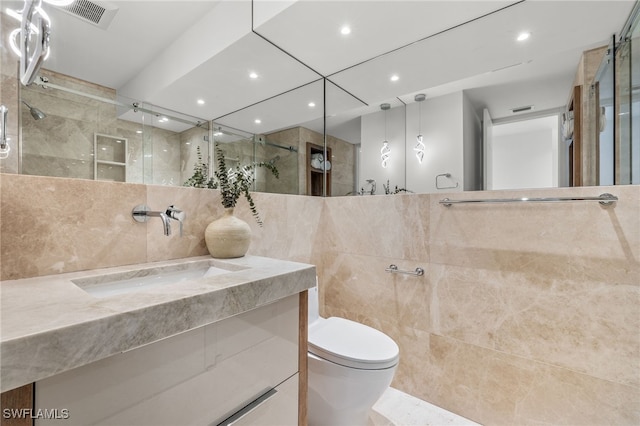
(396, 408)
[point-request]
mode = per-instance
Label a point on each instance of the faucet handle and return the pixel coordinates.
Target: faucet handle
(176, 214)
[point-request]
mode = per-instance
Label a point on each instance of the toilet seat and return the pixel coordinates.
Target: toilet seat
(352, 344)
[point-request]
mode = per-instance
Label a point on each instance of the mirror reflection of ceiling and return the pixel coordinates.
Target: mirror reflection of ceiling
(172, 53)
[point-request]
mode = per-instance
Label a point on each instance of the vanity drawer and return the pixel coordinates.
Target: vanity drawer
(278, 407)
(198, 377)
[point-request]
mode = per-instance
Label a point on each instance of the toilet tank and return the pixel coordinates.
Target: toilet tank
(314, 304)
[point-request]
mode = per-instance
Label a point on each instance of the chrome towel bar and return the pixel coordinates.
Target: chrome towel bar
(393, 269)
(604, 199)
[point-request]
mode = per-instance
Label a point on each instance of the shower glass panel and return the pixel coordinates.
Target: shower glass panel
(634, 111)
(628, 104)
(243, 148)
(623, 119)
(285, 158)
(64, 119)
(171, 144)
(605, 121)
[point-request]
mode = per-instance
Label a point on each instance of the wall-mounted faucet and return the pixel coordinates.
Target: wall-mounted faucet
(142, 213)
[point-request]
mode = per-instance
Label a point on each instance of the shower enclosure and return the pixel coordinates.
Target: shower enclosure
(618, 92)
(243, 148)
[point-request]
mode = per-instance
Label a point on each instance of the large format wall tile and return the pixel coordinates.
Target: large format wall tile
(54, 225)
(492, 387)
(588, 326)
(360, 285)
(505, 236)
(201, 207)
(528, 313)
(291, 226)
(532, 307)
(391, 226)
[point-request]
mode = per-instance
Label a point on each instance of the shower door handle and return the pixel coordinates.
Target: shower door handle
(4, 145)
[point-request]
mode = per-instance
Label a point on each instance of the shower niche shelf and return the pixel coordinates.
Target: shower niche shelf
(110, 158)
(315, 176)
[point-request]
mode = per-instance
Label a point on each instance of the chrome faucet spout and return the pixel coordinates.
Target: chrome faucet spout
(142, 213)
(166, 223)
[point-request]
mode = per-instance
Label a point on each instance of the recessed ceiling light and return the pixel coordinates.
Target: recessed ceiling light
(200, 101)
(217, 134)
(258, 121)
(346, 30)
(253, 75)
(312, 104)
(395, 77)
(523, 36)
(138, 131)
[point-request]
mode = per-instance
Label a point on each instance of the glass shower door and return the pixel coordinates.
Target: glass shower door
(628, 107)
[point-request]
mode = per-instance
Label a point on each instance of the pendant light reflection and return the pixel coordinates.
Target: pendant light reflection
(420, 146)
(385, 151)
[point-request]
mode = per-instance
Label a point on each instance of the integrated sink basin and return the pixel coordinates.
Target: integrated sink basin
(147, 278)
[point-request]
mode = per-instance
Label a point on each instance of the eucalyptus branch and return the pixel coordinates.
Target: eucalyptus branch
(200, 178)
(234, 183)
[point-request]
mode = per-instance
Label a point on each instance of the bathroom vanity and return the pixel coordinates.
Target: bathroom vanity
(190, 341)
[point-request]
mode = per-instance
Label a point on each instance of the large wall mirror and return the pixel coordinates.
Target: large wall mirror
(317, 88)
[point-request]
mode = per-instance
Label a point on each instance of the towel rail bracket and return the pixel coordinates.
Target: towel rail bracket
(393, 269)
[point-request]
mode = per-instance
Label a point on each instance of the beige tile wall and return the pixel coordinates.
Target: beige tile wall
(527, 314)
(55, 225)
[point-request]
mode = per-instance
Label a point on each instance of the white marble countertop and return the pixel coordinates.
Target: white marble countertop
(50, 325)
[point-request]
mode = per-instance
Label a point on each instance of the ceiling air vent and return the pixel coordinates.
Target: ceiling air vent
(522, 109)
(99, 14)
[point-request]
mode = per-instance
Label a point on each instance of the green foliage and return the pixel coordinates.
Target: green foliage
(387, 189)
(234, 183)
(200, 178)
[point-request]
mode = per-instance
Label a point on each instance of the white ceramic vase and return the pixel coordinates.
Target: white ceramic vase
(228, 236)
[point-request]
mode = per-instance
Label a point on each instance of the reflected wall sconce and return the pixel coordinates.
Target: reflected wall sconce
(385, 151)
(420, 146)
(30, 42)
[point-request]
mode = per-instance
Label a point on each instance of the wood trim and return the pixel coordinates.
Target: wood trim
(316, 177)
(577, 137)
(302, 358)
(18, 399)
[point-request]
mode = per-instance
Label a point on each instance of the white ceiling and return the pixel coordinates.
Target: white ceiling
(310, 30)
(171, 53)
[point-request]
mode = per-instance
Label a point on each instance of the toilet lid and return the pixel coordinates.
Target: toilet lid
(352, 344)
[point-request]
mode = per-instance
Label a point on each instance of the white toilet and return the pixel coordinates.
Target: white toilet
(350, 367)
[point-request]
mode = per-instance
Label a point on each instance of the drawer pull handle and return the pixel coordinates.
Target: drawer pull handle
(248, 408)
